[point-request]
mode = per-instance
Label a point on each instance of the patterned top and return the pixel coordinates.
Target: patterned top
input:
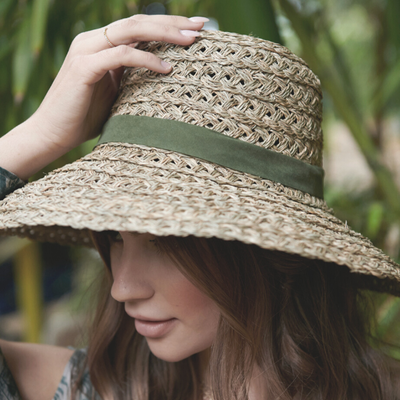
(72, 372)
(8, 183)
(8, 388)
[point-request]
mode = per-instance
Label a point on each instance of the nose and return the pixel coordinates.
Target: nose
(131, 276)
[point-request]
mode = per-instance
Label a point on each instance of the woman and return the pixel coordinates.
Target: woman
(226, 276)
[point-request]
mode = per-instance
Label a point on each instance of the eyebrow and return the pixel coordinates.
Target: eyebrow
(138, 233)
(134, 233)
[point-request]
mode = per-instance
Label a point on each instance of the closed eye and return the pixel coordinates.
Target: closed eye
(155, 245)
(114, 236)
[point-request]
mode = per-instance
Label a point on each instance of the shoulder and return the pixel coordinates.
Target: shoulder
(37, 369)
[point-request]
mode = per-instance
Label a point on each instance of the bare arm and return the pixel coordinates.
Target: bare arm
(73, 111)
(79, 100)
(37, 369)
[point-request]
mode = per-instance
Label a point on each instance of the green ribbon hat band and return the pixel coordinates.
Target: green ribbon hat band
(215, 147)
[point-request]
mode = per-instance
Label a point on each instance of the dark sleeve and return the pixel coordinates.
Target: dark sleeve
(8, 183)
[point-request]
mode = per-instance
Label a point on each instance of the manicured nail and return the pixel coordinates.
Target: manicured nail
(165, 65)
(190, 33)
(199, 19)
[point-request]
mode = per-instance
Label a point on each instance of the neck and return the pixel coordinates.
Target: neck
(257, 390)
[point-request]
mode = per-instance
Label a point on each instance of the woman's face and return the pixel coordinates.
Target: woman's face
(175, 317)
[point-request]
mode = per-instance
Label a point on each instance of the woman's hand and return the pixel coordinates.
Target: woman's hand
(79, 100)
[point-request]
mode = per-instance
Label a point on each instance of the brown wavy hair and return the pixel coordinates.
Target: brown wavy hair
(302, 322)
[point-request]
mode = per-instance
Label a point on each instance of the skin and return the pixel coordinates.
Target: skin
(73, 111)
(78, 102)
(147, 281)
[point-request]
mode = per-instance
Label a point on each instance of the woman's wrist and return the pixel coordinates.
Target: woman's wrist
(79, 100)
(25, 150)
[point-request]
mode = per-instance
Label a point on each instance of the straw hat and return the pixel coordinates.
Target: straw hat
(229, 144)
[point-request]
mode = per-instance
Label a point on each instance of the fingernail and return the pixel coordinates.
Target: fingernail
(190, 33)
(165, 65)
(198, 19)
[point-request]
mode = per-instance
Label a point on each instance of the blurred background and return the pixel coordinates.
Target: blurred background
(352, 45)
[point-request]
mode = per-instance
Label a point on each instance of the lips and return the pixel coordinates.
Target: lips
(151, 328)
(154, 329)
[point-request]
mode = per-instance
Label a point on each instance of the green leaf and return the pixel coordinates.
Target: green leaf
(256, 17)
(88, 146)
(39, 22)
(375, 217)
(333, 83)
(392, 18)
(390, 86)
(388, 315)
(60, 51)
(5, 47)
(187, 8)
(22, 62)
(4, 6)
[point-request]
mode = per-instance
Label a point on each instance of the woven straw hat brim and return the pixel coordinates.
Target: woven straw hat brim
(244, 88)
(172, 194)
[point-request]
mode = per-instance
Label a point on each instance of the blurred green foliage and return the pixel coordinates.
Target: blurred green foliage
(352, 45)
(354, 48)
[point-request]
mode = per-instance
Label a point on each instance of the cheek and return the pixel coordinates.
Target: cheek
(196, 311)
(198, 319)
(197, 316)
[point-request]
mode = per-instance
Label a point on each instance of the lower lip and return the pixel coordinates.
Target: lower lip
(154, 329)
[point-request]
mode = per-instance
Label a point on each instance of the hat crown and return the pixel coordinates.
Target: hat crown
(241, 86)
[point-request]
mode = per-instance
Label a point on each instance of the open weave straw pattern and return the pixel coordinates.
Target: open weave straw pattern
(135, 188)
(240, 86)
(243, 87)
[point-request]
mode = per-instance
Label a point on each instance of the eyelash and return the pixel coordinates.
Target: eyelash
(115, 237)
(156, 244)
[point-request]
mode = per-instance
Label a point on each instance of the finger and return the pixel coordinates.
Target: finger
(174, 20)
(194, 23)
(98, 64)
(177, 30)
(145, 31)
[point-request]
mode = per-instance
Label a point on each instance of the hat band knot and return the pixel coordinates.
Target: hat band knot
(212, 146)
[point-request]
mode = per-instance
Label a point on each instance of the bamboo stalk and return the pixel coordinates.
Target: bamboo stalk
(256, 17)
(28, 278)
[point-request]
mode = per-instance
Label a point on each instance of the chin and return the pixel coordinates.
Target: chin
(172, 358)
(171, 353)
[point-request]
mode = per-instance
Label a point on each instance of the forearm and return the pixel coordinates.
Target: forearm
(79, 100)
(24, 152)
